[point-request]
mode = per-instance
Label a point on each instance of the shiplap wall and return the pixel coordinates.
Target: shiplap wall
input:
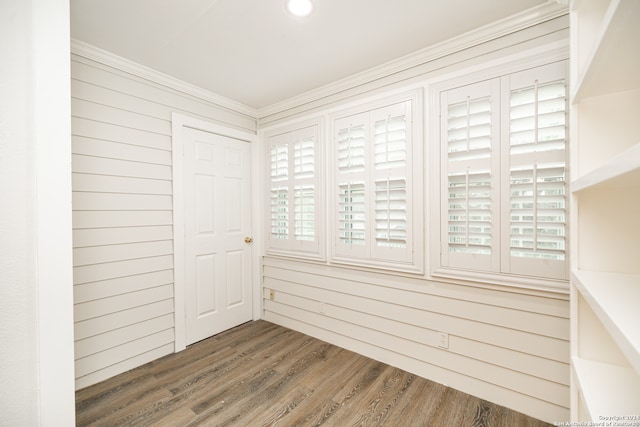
(506, 345)
(122, 215)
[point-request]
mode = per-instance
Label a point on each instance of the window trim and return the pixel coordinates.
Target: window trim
(417, 214)
(436, 270)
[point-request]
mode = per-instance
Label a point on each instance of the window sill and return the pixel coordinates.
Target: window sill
(377, 266)
(524, 283)
(296, 254)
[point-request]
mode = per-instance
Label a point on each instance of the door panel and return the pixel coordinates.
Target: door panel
(217, 219)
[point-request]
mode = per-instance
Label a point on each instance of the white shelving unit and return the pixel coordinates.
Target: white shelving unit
(605, 240)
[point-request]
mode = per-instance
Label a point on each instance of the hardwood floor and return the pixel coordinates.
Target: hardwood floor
(261, 374)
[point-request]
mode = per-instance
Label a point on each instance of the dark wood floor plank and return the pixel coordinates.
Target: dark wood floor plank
(364, 407)
(261, 374)
(180, 417)
(326, 381)
(417, 405)
(232, 391)
(264, 365)
(115, 394)
(456, 408)
(221, 383)
(283, 380)
(277, 411)
(287, 394)
(402, 382)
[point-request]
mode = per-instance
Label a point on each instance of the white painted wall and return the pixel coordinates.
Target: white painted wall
(36, 341)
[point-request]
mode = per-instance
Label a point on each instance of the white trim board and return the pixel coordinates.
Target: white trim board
(178, 122)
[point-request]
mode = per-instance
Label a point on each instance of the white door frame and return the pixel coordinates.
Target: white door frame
(178, 122)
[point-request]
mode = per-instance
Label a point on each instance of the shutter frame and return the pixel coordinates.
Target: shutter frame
(391, 126)
(516, 157)
(301, 184)
(531, 165)
(465, 164)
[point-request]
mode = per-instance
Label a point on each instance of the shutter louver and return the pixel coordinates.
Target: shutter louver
(279, 162)
(279, 213)
(390, 142)
(351, 211)
(304, 192)
(537, 119)
(279, 199)
(304, 205)
(538, 212)
(469, 214)
(351, 148)
(469, 176)
(537, 172)
(303, 158)
(469, 130)
(391, 213)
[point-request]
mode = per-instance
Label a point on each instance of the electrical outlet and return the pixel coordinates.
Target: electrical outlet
(444, 340)
(272, 295)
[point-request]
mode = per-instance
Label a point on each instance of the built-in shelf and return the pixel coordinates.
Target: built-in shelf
(618, 35)
(615, 299)
(608, 390)
(605, 300)
(622, 170)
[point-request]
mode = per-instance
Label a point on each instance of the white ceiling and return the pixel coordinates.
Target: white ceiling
(255, 53)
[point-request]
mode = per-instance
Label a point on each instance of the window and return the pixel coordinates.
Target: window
(504, 175)
(377, 178)
(293, 193)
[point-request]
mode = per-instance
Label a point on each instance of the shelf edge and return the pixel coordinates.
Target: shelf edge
(626, 162)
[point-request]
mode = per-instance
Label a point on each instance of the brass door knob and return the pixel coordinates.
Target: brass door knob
(248, 239)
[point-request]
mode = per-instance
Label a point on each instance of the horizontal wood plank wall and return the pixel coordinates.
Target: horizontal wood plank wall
(122, 215)
(508, 348)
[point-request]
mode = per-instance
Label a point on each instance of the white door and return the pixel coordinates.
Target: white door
(217, 208)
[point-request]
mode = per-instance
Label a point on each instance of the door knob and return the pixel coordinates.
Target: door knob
(248, 239)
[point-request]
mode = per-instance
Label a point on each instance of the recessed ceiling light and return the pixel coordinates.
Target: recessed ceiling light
(299, 7)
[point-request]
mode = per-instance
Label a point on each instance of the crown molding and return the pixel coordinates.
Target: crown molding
(104, 57)
(550, 10)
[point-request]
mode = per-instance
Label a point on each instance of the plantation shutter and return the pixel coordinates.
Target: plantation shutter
(304, 148)
(504, 175)
(374, 185)
(293, 191)
(351, 137)
(279, 188)
(536, 103)
(391, 183)
(470, 161)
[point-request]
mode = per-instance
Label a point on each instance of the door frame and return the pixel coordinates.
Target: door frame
(178, 123)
